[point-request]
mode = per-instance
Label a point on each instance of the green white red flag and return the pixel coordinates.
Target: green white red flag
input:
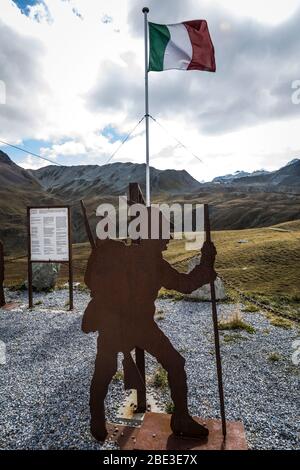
(182, 46)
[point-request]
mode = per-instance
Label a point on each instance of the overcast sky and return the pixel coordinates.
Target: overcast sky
(74, 77)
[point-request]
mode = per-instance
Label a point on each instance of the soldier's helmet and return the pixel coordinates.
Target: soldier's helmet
(151, 225)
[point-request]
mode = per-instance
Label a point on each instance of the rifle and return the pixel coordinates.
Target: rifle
(87, 226)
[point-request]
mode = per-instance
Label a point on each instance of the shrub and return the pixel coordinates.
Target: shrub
(160, 379)
(281, 322)
(235, 322)
(170, 407)
(251, 308)
(274, 357)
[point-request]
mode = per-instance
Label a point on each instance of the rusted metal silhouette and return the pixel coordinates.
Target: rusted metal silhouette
(2, 296)
(124, 280)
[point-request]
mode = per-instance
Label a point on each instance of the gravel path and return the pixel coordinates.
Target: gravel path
(45, 381)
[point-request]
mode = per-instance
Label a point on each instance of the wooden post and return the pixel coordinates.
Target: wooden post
(29, 262)
(136, 196)
(216, 331)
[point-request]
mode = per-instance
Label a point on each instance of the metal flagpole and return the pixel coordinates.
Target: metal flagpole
(148, 202)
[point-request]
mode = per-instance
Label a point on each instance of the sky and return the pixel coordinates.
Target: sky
(73, 72)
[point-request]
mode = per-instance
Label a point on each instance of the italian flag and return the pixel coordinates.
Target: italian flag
(183, 46)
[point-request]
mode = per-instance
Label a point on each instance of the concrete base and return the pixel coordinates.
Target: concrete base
(127, 411)
(156, 434)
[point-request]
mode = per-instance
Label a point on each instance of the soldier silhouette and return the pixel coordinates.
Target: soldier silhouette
(124, 281)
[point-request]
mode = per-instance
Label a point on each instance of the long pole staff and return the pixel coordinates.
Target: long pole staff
(216, 331)
(148, 201)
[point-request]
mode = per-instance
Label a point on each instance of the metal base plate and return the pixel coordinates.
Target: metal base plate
(124, 436)
(10, 305)
(156, 434)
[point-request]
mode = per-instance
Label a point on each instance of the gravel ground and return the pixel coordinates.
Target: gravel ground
(45, 381)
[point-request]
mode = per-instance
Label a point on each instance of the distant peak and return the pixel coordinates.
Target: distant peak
(292, 162)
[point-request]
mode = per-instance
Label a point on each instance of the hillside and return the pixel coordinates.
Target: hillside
(229, 178)
(241, 207)
(237, 204)
(257, 200)
(84, 181)
(286, 179)
(18, 189)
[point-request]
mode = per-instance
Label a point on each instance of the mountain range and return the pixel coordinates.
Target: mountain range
(241, 200)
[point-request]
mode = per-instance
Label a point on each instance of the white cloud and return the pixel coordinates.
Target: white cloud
(32, 163)
(272, 12)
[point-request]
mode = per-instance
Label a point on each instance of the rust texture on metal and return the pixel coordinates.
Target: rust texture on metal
(122, 435)
(124, 280)
(69, 262)
(156, 434)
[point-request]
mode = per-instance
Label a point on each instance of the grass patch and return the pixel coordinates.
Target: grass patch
(119, 376)
(235, 322)
(267, 268)
(280, 322)
(19, 286)
(160, 379)
(274, 357)
(250, 308)
(234, 338)
(170, 294)
(38, 302)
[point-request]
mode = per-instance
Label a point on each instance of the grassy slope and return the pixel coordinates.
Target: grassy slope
(266, 267)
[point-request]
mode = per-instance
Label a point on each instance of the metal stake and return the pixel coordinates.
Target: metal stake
(148, 201)
(216, 331)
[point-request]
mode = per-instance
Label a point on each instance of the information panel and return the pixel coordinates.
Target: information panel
(49, 234)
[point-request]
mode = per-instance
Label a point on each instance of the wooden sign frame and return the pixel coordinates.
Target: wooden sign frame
(70, 258)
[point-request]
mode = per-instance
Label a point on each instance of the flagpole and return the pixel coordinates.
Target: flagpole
(216, 330)
(148, 201)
